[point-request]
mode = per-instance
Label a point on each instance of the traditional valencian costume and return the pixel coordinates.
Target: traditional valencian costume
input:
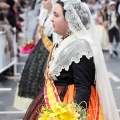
(77, 69)
(32, 77)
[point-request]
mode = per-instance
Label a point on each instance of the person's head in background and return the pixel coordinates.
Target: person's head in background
(91, 1)
(4, 7)
(99, 12)
(112, 5)
(47, 4)
(11, 3)
(103, 2)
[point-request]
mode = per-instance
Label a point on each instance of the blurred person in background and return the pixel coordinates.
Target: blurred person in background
(22, 5)
(2, 0)
(113, 28)
(83, 0)
(99, 17)
(16, 19)
(101, 30)
(33, 2)
(4, 24)
(32, 77)
(11, 14)
(104, 10)
(19, 19)
(118, 6)
(94, 5)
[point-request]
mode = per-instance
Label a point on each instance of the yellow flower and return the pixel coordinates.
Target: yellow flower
(62, 111)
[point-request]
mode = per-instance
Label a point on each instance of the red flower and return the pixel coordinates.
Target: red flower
(28, 48)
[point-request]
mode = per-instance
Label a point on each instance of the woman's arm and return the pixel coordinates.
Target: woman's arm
(83, 73)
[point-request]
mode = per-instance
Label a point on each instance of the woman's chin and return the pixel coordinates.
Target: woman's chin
(54, 30)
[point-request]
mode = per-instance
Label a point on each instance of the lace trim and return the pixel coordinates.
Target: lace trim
(73, 59)
(72, 53)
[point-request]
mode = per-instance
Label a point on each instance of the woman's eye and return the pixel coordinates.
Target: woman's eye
(55, 15)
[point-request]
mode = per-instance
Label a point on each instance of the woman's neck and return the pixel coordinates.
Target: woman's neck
(65, 36)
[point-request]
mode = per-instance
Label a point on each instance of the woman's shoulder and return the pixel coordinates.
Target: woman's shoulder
(70, 50)
(74, 51)
(77, 48)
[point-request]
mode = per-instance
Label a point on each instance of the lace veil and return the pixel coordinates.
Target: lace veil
(81, 24)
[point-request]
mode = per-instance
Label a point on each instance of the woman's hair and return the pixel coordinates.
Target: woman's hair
(10, 2)
(62, 5)
(85, 20)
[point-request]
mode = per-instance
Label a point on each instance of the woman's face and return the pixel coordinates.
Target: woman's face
(59, 23)
(47, 4)
(113, 7)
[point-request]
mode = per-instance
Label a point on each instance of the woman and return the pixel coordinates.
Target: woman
(101, 30)
(32, 77)
(76, 66)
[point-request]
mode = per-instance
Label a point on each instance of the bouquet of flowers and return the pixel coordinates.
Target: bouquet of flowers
(28, 47)
(63, 111)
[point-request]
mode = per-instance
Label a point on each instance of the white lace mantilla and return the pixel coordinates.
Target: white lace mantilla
(77, 19)
(81, 24)
(68, 52)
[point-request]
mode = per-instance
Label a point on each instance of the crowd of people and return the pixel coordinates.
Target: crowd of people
(106, 14)
(70, 30)
(12, 16)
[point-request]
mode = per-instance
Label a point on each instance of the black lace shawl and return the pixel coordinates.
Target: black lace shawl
(32, 77)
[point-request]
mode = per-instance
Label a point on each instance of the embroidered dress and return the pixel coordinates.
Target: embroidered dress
(70, 83)
(32, 77)
(77, 63)
(103, 37)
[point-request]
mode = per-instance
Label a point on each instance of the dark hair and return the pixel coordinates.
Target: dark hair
(2, 16)
(62, 5)
(10, 2)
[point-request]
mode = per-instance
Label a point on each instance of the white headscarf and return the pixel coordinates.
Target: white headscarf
(45, 22)
(82, 25)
